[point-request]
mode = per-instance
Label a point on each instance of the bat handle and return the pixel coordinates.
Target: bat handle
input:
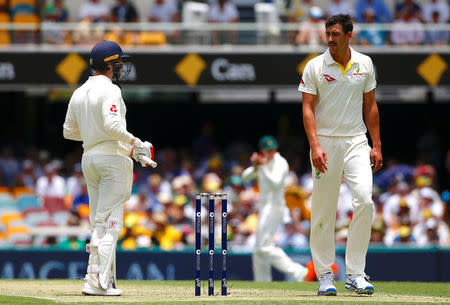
(149, 161)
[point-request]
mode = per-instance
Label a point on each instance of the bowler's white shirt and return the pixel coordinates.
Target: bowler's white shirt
(271, 177)
(96, 116)
(339, 92)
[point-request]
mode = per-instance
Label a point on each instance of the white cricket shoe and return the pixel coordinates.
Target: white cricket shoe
(301, 274)
(326, 286)
(359, 283)
(89, 289)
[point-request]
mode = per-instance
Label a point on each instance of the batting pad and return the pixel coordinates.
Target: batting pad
(107, 250)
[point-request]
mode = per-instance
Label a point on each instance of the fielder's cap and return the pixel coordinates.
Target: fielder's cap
(267, 142)
(105, 51)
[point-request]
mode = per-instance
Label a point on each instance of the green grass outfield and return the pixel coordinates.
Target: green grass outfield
(44, 292)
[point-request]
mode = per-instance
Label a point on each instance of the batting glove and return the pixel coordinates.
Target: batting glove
(143, 153)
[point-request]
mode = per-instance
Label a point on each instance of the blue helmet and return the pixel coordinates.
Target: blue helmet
(104, 52)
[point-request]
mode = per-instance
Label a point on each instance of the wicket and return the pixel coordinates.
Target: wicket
(198, 244)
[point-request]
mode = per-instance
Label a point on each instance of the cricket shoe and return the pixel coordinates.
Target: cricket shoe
(359, 283)
(89, 289)
(326, 286)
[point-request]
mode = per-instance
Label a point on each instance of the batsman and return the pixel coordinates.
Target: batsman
(96, 116)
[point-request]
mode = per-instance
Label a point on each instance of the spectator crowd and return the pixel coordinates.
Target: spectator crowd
(408, 19)
(44, 202)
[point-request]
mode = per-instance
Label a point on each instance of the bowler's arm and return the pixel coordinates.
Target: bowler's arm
(318, 156)
(309, 119)
(372, 119)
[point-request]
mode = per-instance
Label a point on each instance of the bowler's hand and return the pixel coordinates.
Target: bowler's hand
(319, 159)
(376, 159)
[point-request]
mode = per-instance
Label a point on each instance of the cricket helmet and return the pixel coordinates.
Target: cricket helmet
(108, 51)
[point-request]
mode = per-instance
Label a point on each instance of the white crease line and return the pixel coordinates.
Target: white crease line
(417, 296)
(28, 296)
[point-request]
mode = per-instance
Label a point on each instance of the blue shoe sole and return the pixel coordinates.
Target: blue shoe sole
(327, 293)
(365, 291)
(368, 291)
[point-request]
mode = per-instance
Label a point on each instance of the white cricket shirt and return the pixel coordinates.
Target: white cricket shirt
(96, 116)
(271, 177)
(339, 92)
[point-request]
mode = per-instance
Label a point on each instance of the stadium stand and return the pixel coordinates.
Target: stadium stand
(411, 27)
(160, 212)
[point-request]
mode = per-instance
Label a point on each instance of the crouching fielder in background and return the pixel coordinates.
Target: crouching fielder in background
(96, 116)
(271, 170)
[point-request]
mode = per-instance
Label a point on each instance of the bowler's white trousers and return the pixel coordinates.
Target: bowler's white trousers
(348, 157)
(266, 254)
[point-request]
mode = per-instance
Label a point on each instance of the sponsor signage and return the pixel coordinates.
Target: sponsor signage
(383, 264)
(199, 69)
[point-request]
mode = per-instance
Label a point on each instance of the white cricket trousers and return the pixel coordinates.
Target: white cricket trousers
(266, 254)
(109, 179)
(348, 157)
